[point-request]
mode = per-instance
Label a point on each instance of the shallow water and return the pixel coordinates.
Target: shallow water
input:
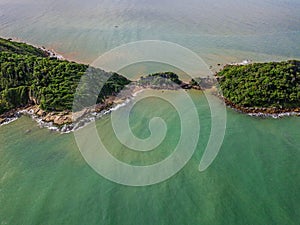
(254, 179)
(219, 31)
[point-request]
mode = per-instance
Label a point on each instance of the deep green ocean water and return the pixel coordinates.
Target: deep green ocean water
(255, 178)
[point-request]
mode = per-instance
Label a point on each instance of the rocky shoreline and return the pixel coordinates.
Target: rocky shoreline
(263, 112)
(50, 53)
(64, 121)
(67, 121)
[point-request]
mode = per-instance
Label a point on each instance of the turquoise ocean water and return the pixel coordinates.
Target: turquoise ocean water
(255, 178)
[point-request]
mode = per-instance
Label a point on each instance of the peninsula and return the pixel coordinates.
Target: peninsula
(262, 88)
(34, 81)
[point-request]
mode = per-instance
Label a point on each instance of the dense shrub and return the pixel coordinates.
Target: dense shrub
(275, 84)
(49, 82)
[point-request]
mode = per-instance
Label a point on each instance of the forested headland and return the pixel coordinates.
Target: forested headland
(29, 76)
(270, 87)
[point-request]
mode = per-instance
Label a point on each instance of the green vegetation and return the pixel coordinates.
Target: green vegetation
(165, 79)
(20, 48)
(275, 84)
(27, 77)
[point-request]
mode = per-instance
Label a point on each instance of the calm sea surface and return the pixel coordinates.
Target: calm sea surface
(255, 178)
(220, 31)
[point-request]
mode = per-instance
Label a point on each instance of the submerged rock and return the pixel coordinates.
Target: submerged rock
(27, 131)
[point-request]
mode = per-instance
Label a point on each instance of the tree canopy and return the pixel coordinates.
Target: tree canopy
(26, 76)
(274, 84)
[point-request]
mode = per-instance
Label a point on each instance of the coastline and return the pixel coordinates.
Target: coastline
(262, 112)
(67, 121)
(50, 52)
(254, 111)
